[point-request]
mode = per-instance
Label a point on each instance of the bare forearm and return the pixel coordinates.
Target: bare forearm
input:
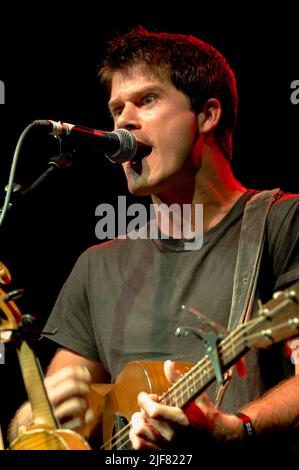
(22, 418)
(277, 410)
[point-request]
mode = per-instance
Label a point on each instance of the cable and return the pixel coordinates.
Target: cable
(13, 168)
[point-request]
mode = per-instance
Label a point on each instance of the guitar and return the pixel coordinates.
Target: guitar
(278, 320)
(44, 433)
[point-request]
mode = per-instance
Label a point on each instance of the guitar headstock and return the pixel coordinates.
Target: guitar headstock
(277, 320)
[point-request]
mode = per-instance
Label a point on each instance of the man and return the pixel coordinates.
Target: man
(123, 299)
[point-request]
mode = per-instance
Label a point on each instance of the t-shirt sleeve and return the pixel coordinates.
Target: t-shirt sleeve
(71, 314)
(284, 227)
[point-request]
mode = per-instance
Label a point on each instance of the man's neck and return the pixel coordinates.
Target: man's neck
(214, 187)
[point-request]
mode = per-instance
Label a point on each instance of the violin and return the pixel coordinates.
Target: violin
(44, 432)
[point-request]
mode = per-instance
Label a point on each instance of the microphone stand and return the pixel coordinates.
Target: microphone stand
(62, 161)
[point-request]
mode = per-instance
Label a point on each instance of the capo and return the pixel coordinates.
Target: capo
(214, 332)
(211, 343)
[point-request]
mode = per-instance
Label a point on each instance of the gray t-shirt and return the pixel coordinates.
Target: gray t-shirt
(122, 300)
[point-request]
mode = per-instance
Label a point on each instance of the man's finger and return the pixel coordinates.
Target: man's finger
(142, 435)
(71, 372)
(171, 373)
(158, 411)
(64, 390)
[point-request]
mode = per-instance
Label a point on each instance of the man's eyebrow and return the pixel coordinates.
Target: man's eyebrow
(136, 93)
(113, 103)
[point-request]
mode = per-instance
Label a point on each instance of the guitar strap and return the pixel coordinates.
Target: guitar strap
(250, 251)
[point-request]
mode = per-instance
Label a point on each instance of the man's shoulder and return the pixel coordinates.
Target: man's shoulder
(283, 218)
(284, 204)
(281, 200)
(283, 211)
(128, 244)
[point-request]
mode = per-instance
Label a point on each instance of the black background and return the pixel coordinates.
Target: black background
(48, 65)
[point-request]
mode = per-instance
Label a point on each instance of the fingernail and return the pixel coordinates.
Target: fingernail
(87, 373)
(75, 423)
(89, 416)
(168, 362)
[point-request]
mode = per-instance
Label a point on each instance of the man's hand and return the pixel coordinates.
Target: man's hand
(67, 390)
(157, 424)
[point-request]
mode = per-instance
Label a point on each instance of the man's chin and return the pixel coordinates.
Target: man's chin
(143, 184)
(140, 190)
(137, 184)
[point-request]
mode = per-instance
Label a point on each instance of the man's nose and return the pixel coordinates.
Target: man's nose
(129, 118)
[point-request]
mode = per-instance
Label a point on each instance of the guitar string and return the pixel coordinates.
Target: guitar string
(200, 370)
(125, 431)
(197, 376)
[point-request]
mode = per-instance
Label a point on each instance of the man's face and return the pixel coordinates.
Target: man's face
(161, 118)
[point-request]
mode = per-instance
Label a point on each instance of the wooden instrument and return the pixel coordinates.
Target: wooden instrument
(278, 320)
(44, 433)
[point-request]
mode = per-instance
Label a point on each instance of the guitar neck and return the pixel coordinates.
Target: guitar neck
(33, 379)
(199, 377)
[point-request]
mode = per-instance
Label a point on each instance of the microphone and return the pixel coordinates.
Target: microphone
(119, 146)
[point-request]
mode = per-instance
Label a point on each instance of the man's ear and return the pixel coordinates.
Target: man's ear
(209, 117)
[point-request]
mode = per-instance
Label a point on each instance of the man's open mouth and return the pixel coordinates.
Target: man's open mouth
(142, 152)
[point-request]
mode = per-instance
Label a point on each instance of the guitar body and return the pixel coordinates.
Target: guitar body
(121, 402)
(42, 439)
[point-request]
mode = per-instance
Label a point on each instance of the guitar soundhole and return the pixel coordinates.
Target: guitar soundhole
(120, 439)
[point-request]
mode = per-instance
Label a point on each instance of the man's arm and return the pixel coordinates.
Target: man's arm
(277, 410)
(66, 357)
(68, 384)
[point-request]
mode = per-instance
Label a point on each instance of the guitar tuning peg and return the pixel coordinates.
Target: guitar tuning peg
(277, 294)
(14, 294)
(263, 310)
(5, 277)
(27, 319)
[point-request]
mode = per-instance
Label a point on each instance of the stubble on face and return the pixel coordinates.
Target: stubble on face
(160, 117)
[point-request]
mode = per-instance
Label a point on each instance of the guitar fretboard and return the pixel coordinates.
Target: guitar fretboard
(33, 380)
(197, 379)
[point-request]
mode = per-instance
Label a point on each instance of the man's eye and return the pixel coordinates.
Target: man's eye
(148, 99)
(117, 112)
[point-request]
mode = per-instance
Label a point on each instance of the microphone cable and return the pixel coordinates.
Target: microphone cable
(10, 184)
